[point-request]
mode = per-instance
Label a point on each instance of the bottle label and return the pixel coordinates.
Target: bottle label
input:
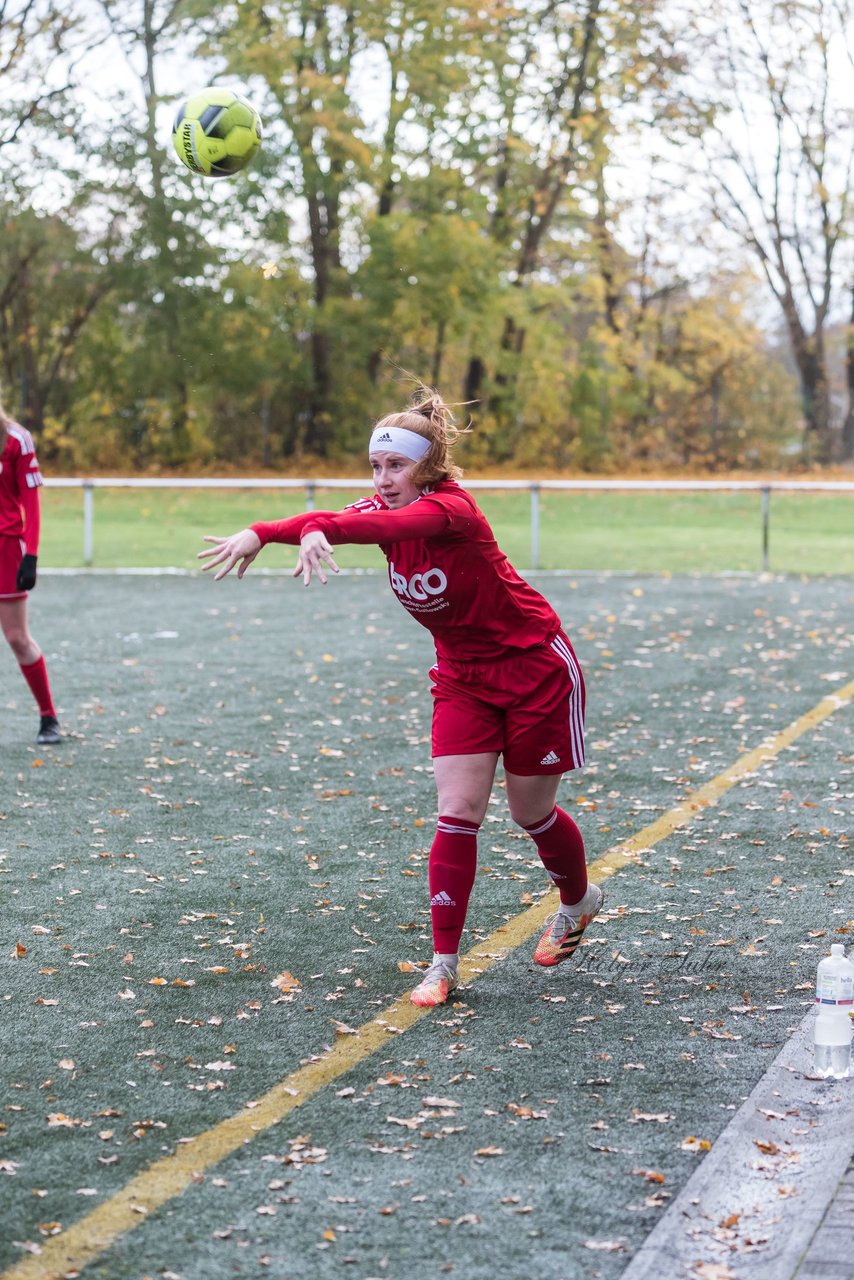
(836, 990)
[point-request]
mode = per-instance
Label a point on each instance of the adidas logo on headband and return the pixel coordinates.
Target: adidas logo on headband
(399, 440)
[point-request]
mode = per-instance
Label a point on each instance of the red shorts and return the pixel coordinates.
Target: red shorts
(529, 707)
(12, 549)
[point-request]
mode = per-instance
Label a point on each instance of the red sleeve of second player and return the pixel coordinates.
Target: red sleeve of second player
(29, 481)
(32, 519)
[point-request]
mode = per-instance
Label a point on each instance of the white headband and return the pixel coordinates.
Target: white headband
(399, 440)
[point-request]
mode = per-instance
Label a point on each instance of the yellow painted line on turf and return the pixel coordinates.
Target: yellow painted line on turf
(73, 1249)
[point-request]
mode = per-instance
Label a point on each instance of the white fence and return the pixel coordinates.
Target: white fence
(535, 487)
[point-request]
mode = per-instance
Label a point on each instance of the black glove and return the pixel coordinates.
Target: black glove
(26, 579)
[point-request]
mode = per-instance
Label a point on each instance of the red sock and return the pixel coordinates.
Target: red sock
(35, 674)
(561, 848)
(452, 868)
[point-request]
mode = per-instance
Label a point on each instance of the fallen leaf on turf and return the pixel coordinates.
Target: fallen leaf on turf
(431, 1101)
(657, 1200)
(651, 1175)
(526, 1113)
(59, 1120)
(605, 1246)
(20, 950)
(767, 1147)
(286, 982)
(695, 1144)
(489, 1151)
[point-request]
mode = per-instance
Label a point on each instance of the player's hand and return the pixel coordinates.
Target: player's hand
(314, 552)
(26, 578)
(240, 547)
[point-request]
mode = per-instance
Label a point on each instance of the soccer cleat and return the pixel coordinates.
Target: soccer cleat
(564, 932)
(48, 733)
(436, 985)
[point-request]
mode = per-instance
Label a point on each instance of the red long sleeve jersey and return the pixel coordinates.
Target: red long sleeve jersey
(20, 479)
(445, 568)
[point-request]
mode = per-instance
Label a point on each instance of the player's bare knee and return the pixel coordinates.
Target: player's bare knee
(463, 808)
(525, 817)
(23, 646)
(17, 643)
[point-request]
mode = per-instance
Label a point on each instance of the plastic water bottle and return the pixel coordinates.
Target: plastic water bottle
(834, 997)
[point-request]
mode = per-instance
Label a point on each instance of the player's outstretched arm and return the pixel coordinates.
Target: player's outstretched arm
(314, 552)
(240, 547)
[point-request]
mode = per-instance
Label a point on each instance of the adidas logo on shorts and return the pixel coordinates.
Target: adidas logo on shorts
(550, 758)
(442, 899)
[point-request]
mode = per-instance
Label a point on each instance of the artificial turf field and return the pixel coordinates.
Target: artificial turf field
(215, 894)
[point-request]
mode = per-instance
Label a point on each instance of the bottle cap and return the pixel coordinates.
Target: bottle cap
(837, 949)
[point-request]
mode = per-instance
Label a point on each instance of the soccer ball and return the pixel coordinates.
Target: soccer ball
(216, 132)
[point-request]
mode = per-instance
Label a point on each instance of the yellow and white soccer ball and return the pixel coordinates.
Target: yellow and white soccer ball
(216, 132)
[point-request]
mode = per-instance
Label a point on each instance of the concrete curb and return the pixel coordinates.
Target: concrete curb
(759, 1196)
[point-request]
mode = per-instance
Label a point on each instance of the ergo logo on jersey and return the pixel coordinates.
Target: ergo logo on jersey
(420, 586)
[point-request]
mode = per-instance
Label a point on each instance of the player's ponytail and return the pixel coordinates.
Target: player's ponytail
(429, 416)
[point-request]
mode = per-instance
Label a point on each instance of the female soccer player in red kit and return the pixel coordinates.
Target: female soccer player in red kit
(506, 680)
(20, 480)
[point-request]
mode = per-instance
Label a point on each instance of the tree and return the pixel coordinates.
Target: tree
(779, 159)
(49, 288)
(564, 81)
(34, 34)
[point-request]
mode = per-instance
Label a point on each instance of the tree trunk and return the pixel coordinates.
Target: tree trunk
(811, 363)
(438, 353)
(815, 393)
(160, 218)
(323, 226)
(847, 446)
(475, 374)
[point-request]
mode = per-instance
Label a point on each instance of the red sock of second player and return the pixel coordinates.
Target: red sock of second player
(560, 845)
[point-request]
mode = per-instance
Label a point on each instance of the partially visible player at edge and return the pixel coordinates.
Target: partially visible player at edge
(20, 523)
(506, 680)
